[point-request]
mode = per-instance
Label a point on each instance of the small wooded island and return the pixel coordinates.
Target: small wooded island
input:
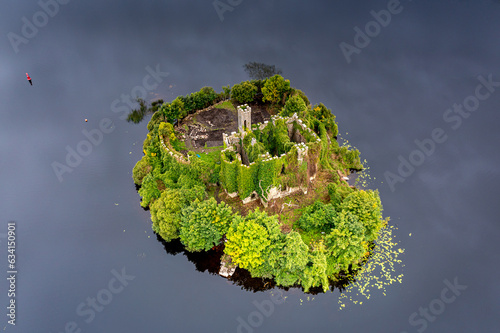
(258, 171)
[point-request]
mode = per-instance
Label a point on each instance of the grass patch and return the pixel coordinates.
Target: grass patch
(310, 236)
(212, 155)
(178, 145)
(225, 105)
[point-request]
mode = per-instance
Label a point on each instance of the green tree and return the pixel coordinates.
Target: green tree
(275, 89)
(260, 71)
(149, 190)
(166, 210)
(314, 274)
(203, 224)
(251, 240)
(366, 206)
(318, 217)
(246, 243)
(174, 110)
(226, 91)
(289, 259)
(141, 169)
(338, 192)
(345, 243)
(321, 113)
(294, 104)
(243, 92)
(156, 119)
(297, 92)
(205, 97)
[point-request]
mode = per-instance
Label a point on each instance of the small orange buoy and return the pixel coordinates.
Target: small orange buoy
(86, 119)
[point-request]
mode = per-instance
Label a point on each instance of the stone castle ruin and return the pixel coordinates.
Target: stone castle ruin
(262, 178)
(240, 170)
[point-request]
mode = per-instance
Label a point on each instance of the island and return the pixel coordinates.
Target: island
(257, 172)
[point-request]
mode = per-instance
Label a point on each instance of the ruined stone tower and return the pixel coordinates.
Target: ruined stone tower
(244, 117)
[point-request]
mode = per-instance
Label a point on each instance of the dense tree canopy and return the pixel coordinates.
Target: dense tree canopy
(366, 206)
(318, 217)
(166, 210)
(315, 272)
(294, 104)
(246, 243)
(203, 224)
(289, 259)
(243, 92)
(345, 243)
(275, 89)
(174, 110)
(141, 169)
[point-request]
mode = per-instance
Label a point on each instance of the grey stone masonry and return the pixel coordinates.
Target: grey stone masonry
(244, 117)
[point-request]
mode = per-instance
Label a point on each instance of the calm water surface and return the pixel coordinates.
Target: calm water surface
(87, 259)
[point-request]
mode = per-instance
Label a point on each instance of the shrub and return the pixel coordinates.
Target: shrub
(275, 90)
(338, 193)
(243, 92)
(318, 217)
(141, 169)
(294, 104)
(149, 190)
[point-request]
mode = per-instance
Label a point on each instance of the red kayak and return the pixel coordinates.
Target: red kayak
(29, 79)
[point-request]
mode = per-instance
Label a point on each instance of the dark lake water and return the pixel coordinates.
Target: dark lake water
(412, 86)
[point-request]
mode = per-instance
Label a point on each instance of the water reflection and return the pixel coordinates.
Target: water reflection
(210, 262)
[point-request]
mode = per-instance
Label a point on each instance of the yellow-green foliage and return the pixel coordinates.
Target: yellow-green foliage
(338, 192)
(246, 243)
(149, 190)
(323, 115)
(275, 89)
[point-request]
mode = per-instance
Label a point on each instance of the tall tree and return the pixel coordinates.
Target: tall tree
(366, 206)
(275, 90)
(203, 224)
(260, 71)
